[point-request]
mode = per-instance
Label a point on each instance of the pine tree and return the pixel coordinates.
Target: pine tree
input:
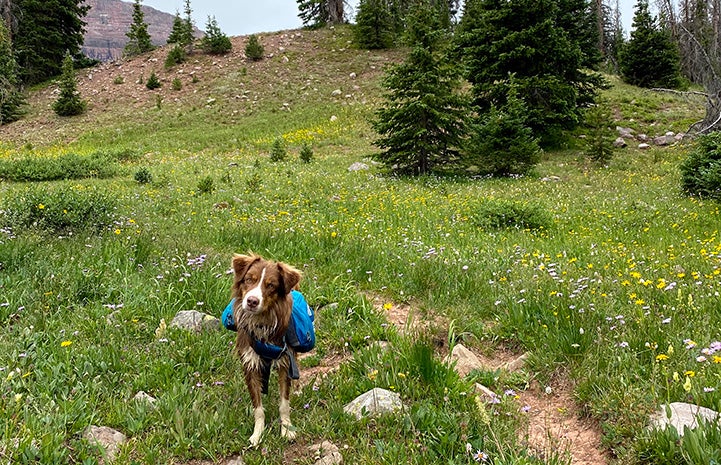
(650, 58)
(424, 119)
(138, 36)
(179, 33)
(69, 102)
(375, 27)
(12, 100)
(502, 144)
(46, 31)
(253, 48)
(215, 41)
(498, 38)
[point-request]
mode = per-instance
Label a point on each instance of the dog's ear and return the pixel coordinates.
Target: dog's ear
(241, 263)
(289, 275)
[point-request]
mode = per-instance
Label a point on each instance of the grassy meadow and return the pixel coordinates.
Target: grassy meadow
(607, 276)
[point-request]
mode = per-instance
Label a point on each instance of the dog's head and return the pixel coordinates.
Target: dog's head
(259, 284)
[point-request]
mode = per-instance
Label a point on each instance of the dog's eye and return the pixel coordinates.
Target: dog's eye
(249, 280)
(270, 286)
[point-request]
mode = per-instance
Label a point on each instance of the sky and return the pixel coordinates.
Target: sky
(242, 17)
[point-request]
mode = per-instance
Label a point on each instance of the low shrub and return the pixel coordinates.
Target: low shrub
(506, 214)
(58, 209)
(253, 49)
(143, 176)
(306, 153)
(206, 185)
(701, 170)
(68, 166)
(278, 151)
(176, 55)
(153, 82)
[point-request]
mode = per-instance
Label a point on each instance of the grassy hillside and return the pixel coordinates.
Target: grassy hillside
(608, 278)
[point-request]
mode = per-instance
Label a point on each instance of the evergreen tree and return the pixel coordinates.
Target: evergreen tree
(215, 41)
(12, 100)
(46, 31)
(180, 34)
(374, 28)
(138, 36)
(579, 19)
(69, 102)
(424, 120)
(502, 144)
(498, 38)
(650, 58)
(253, 49)
(318, 13)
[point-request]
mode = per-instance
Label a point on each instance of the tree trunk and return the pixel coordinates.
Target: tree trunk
(336, 14)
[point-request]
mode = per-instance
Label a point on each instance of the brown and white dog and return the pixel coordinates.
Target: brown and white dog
(261, 311)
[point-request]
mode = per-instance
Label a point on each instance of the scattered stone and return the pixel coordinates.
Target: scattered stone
(626, 133)
(465, 360)
(551, 179)
(106, 438)
(682, 414)
(221, 205)
(336, 93)
(326, 453)
(373, 403)
(333, 119)
(620, 142)
(353, 75)
(234, 461)
(144, 397)
(517, 364)
(193, 320)
(643, 146)
(486, 393)
(679, 137)
(642, 138)
(358, 166)
(663, 140)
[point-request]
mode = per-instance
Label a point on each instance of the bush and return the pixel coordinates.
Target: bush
(143, 176)
(253, 49)
(176, 55)
(153, 81)
(206, 185)
(701, 170)
(506, 214)
(177, 84)
(58, 210)
(278, 151)
(68, 166)
(215, 41)
(306, 153)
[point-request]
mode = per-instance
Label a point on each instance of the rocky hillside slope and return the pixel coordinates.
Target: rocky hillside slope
(109, 20)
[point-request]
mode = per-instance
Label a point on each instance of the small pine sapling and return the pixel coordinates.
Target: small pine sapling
(153, 81)
(278, 151)
(253, 49)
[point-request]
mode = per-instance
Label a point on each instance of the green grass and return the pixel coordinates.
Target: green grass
(615, 286)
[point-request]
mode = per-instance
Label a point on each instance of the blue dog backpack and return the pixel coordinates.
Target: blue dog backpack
(301, 330)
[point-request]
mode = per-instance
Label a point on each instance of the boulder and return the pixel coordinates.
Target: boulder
(193, 320)
(326, 453)
(620, 142)
(375, 402)
(358, 166)
(465, 360)
(106, 438)
(682, 414)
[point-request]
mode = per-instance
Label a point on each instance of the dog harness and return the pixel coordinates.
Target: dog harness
(266, 351)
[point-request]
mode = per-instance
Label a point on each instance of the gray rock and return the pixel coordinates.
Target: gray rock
(358, 166)
(643, 146)
(663, 140)
(193, 320)
(517, 364)
(465, 360)
(551, 179)
(682, 414)
(373, 403)
(486, 393)
(234, 461)
(620, 142)
(326, 453)
(144, 397)
(106, 438)
(626, 133)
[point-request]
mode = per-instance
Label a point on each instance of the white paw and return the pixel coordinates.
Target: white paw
(288, 432)
(255, 439)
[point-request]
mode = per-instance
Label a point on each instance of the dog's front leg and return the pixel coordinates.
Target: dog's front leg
(286, 427)
(253, 379)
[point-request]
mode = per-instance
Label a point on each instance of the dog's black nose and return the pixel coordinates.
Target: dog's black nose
(252, 301)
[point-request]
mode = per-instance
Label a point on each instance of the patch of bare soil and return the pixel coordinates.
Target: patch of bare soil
(554, 423)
